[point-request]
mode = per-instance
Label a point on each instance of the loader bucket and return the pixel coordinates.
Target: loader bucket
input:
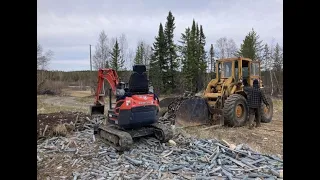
(192, 112)
(164, 103)
(96, 110)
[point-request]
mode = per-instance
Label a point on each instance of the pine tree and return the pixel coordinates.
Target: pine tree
(193, 56)
(277, 65)
(116, 61)
(158, 66)
(202, 58)
(186, 57)
(139, 54)
(212, 61)
(171, 54)
(251, 46)
(277, 58)
(266, 60)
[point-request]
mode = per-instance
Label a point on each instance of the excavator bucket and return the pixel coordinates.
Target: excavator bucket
(96, 110)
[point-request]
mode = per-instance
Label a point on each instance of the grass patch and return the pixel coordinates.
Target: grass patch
(75, 93)
(43, 107)
(87, 100)
(278, 104)
(60, 130)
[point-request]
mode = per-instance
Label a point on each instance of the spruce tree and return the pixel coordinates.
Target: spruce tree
(158, 66)
(266, 58)
(212, 61)
(186, 56)
(202, 58)
(139, 54)
(115, 57)
(171, 54)
(251, 46)
(277, 58)
(192, 57)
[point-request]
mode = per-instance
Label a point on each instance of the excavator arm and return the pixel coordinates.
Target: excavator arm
(112, 77)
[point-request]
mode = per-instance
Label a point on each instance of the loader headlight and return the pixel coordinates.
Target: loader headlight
(128, 102)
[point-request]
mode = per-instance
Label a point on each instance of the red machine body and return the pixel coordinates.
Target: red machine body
(134, 108)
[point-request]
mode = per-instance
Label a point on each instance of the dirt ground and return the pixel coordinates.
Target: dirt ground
(266, 139)
(52, 120)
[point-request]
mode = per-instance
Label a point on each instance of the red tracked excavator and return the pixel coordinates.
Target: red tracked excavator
(135, 112)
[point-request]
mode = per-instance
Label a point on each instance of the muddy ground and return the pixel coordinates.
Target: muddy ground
(48, 124)
(266, 139)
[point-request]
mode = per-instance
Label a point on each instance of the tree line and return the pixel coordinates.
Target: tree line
(176, 66)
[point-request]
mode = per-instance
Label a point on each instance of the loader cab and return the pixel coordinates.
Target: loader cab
(250, 70)
(245, 70)
(255, 72)
(239, 68)
(224, 69)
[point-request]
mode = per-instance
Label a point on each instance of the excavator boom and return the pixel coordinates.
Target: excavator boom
(112, 77)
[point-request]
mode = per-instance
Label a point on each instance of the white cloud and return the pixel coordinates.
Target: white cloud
(71, 62)
(68, 30)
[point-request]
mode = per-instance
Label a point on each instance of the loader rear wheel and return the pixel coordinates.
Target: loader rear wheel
(266, 114)
(235, 110)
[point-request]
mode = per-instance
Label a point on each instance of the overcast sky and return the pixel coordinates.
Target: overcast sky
(68, 27)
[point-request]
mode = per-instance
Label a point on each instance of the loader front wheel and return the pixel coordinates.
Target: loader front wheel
(235, 110)
(266, 114)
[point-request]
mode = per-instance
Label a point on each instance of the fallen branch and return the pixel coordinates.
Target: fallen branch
(271, 130)
(211, 127)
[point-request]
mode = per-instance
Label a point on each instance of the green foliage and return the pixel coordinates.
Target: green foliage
(212, 61)
(251, 46)
(193, 57)
(116, 60)
(171, 58)
(158, 65)
(172, 67)
(139, 58)
(277, 57)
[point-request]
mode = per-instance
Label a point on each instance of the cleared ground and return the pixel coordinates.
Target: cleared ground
(266, 139)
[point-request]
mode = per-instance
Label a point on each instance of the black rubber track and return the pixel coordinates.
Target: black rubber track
(110, 131)
(165, 131)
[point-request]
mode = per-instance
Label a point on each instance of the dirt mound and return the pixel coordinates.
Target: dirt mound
(59, 123)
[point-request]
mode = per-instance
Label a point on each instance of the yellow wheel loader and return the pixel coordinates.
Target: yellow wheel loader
(223, 102)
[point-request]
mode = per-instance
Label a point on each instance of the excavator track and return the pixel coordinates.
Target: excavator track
(115, 137)
(162, 132)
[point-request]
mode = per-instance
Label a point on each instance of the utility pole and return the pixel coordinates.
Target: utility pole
(90, 58)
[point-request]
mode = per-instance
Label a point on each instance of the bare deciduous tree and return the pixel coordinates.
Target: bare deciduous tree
(147, 54)
(43, 59)
(123, 48)
(221, 47)
(130, 60)
(102, 52)
(226, 48)
(231, 48)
